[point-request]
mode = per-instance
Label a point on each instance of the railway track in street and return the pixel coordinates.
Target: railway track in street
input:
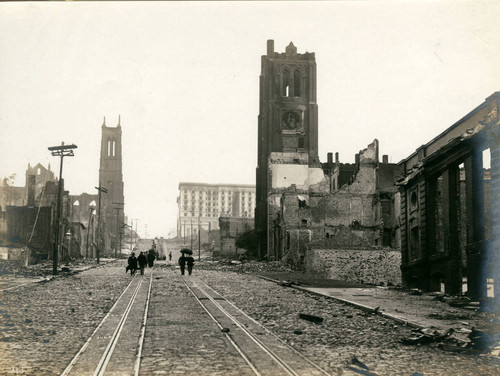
(264, 353)
(115, 346)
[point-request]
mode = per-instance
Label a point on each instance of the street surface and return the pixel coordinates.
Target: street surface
(103, 321)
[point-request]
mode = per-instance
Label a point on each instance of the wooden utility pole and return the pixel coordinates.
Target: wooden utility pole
(99, 231)
(91, 210)
(59, 151)
(118, 229)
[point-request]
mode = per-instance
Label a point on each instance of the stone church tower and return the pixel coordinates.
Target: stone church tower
(288, 121)
(110, 176)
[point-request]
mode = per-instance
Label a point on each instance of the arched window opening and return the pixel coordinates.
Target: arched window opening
(286, 84)
(38, 171)
(296, 84)
(109, 148)
(114, 148)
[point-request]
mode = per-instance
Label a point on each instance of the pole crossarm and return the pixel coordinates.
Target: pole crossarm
(59, 151)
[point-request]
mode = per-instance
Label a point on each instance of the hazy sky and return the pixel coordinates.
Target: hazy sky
(184, 76)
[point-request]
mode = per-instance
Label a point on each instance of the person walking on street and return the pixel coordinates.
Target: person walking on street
(190, 263)
(170, 256)
(132, 264)
(151, 257)
(182, 263)
(142, 262)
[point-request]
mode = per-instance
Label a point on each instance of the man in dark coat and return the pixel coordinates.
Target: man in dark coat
(182, 263)
(151, 257)
(170, 256)
(142, 262)
(190, 263)
(132, 264)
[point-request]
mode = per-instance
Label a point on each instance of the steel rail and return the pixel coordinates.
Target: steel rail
(266, 329)
(143, 330)
(275, 357)
(234, 344)
(106, 356)
(86, 344)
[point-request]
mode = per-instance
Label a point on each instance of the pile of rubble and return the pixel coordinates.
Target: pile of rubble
(243, 266)
(462, 339)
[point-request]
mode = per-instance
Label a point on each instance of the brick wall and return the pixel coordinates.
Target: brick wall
(379, 267)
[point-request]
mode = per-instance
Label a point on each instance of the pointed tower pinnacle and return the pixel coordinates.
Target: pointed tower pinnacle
(119, 120)
(104, 122)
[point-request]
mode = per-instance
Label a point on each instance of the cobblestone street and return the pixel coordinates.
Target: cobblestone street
(45, 324)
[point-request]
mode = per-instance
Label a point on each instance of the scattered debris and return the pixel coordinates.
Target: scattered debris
(415, 292)
(225, 330)
(298, 332)
(359, 367)
(312, 318)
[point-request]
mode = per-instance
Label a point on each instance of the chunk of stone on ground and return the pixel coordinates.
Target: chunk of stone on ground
(312, 318)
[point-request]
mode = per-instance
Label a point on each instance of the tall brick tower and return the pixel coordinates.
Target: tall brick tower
(110, 176)
(288, 120)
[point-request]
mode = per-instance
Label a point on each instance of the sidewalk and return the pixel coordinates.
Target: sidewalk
(420, 311)
(10, 281)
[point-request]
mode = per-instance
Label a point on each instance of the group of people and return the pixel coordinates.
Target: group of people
(148, 258)
(140, 261)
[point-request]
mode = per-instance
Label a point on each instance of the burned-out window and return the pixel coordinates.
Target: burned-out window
(413, 200)
(296, 83)
(414, 244)
(301, 143)
(303, 223)
(286, 84)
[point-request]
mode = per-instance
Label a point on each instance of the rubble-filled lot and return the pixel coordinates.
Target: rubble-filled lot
(44, 324)
(346, 333)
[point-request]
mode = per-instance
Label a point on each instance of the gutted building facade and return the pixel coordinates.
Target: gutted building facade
(450, 203)
(287, 132)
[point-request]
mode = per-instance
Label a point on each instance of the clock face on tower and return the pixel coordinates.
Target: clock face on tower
(291, 120)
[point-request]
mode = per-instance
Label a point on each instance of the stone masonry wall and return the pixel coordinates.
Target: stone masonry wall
(378, 267)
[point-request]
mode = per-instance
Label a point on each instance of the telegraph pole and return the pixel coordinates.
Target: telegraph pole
(91, 210)
(191, 233)
(199, 239)
(99, 232)
(118, 230)
(59, 151)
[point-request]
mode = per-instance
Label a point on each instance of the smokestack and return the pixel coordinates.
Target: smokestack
(385, 158)
(336, 158)
(330, 158)
(270, 47)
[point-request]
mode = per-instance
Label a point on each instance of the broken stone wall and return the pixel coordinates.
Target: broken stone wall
(378, 267)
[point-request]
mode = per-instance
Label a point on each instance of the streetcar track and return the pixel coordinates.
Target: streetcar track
(143, 330)
(101, 367)
(266, 329)
(113, 338)
(265, 348)
(86, 344)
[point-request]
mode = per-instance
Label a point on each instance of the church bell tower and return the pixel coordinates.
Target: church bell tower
(288, 119)
(110, 176)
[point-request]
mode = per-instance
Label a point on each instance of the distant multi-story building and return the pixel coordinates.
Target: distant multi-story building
(205, 203)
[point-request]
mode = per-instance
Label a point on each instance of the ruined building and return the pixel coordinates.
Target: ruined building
(111, 178)
(314, 214)
(287, 130)
(450, 206)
